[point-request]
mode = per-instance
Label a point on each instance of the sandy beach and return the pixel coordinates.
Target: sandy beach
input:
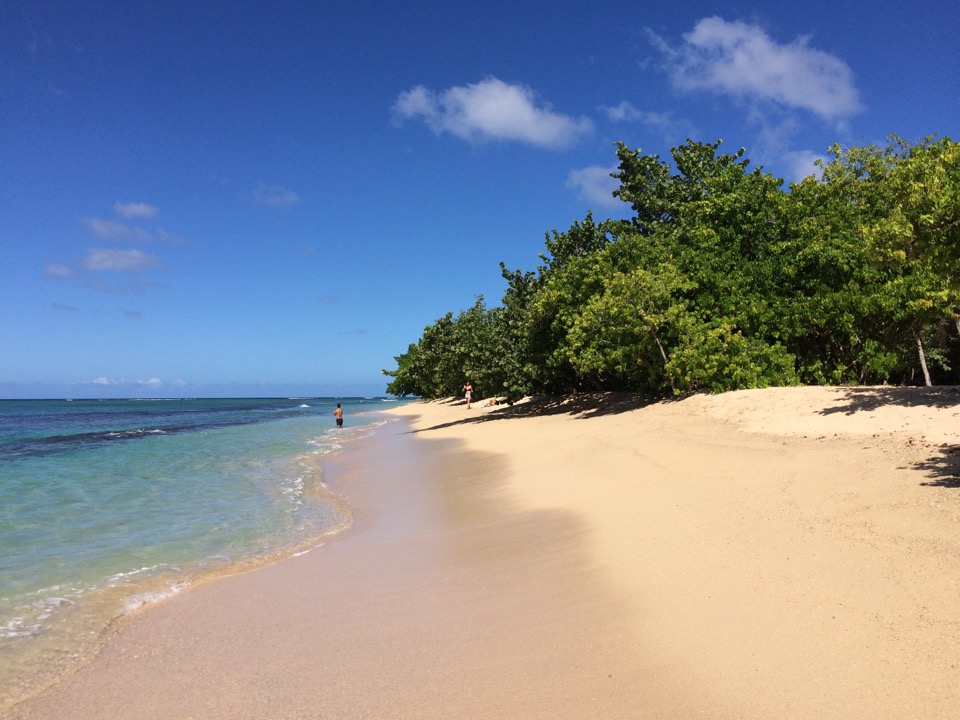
(781, 553)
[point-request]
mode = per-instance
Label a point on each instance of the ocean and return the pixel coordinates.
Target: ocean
(106, 505)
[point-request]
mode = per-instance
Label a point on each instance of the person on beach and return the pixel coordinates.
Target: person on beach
(468, 392)
(338, 414)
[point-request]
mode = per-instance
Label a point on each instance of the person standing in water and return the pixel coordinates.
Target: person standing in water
(338, 414)
(468, 393)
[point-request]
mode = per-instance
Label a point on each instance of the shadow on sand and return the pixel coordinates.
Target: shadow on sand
(584, 406)
(858, 399)
(943, 468)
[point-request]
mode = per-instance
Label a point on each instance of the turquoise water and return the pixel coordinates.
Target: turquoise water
(107, 505)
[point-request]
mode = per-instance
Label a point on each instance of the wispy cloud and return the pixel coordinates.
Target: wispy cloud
(741, 60)
(114, 230)
(165, 237)
(126, 229)
(59, 271)
(126, 285)
(491, 110)
(134, 210)
(153, 383)
(119, 260)
(665, 124)
(148, 386)
(626, 111)
(273, 196)
(131, 261)
(119, 231)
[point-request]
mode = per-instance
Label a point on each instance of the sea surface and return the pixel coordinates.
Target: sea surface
(106, 505)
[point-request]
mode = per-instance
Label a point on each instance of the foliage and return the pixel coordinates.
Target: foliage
(722, 279)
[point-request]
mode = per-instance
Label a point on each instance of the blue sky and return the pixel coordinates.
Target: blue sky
(240, 198)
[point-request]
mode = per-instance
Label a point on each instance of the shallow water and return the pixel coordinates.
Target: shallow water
(106, 505)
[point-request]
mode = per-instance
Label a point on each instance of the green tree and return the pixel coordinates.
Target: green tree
(916, 236)
(868, 279)
(722, 280)
(623, 332)
(429, 368)
(720, 228)
(451, 351)
(574, 269)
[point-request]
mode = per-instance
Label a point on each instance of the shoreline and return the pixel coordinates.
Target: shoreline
(775, 553)
(420, 606)
(89, 617)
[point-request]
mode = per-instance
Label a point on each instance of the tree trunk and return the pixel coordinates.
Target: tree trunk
(923, 363)
(956, 319)
(663, 354)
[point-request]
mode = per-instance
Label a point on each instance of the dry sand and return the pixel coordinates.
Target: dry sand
(784, 553)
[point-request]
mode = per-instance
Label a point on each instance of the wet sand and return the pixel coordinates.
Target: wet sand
(787, 553)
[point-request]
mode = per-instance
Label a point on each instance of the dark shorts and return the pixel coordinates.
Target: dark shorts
(339, 422)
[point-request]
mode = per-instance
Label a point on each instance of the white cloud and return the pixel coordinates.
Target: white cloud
(134, 210)
(120, 260)
(491, 110)
(274, 196)
(738, 59)
(595, 186)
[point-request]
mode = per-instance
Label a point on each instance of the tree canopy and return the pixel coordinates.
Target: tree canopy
(723, 279)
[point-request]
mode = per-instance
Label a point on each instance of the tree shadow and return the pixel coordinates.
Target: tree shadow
(581, 405)
(861, 399)
(944, 468)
